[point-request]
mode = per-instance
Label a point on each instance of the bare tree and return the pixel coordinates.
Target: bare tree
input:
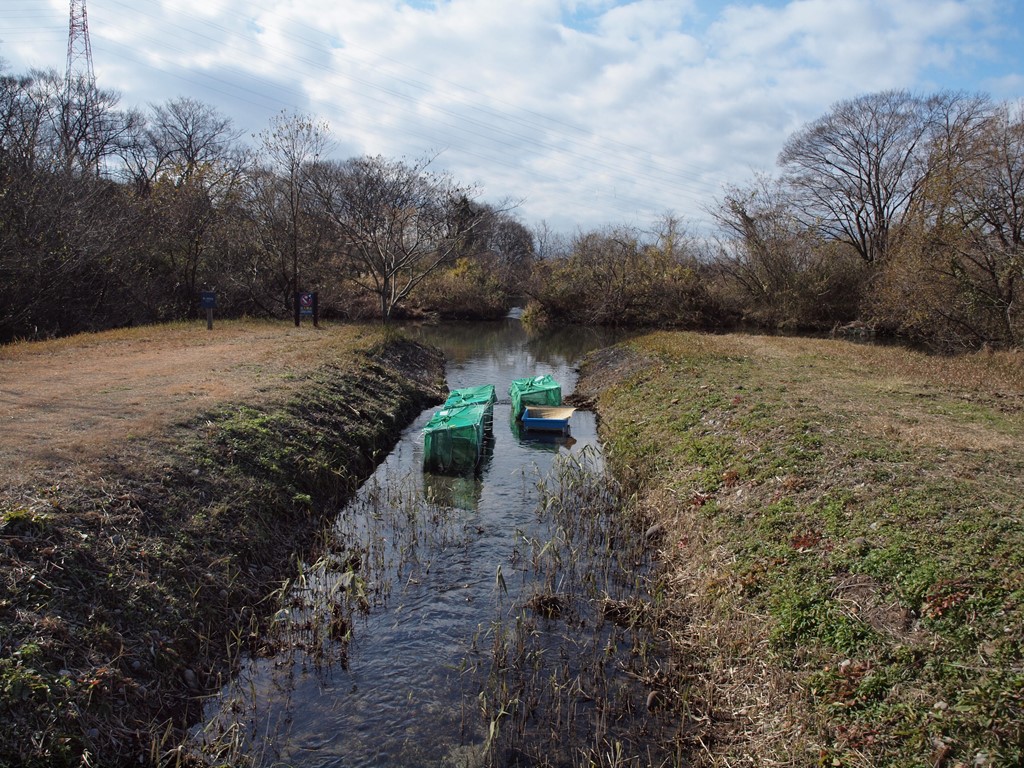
(184, 137)
(775, 270)
(761, 245)
(399, 222)
(290, 148)
(980, 245)
(512, 246)
(84, 128)
(503, 243)
(21, 120)
(672, 238)
(856, 170)
(549, 244)
(63, 222)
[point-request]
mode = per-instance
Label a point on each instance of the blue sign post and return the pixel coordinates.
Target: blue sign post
(208, 301)
(306, 305)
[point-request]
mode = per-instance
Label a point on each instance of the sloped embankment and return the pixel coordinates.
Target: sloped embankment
(131, 585)
(841, 539)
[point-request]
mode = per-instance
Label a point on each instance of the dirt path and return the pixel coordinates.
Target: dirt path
(69, 401)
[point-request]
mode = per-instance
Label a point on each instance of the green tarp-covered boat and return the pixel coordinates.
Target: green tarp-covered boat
(453, 438)
(483, 395)
(537, 390)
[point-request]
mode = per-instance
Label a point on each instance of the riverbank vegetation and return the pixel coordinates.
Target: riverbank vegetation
(146, 523)
(842, 543)
(894, 213)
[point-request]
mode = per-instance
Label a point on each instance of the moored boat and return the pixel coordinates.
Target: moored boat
(543, 418)
(453, 439)
(540, 390)
(481, 395)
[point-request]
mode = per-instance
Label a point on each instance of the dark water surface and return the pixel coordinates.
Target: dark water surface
(445, 624)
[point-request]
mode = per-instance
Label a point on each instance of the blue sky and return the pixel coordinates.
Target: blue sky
(590, 112)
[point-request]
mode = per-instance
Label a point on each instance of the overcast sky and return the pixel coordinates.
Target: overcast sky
(591, 112)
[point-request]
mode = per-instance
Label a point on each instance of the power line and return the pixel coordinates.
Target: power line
(496, 132)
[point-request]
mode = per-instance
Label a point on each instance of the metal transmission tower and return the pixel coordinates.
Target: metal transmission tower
(80, 111)
(79, 51)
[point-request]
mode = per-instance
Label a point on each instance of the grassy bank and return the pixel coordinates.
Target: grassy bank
(842, 548)
(144, 522)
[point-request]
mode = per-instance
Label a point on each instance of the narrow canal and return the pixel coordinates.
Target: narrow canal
(495, 619)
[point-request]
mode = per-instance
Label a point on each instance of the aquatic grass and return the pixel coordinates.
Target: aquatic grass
(574, 660)
(383, 541)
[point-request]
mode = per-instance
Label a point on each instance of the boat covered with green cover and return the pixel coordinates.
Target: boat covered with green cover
(453, 438)
(536, 390)
(482, 395)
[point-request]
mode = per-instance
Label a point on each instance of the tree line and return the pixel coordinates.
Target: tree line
(909, 208)
(112, 216)
(895, 212)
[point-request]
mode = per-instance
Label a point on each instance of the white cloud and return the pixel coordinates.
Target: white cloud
(596, 111)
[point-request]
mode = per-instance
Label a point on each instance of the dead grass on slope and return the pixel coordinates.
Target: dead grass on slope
(157, 485)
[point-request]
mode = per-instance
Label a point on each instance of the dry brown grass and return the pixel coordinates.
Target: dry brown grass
(68, 401)
(744, 710)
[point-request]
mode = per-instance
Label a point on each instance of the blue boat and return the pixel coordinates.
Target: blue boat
(546, 418)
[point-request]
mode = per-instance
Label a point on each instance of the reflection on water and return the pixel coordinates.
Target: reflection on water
(497, 353)
(459, 491)
(394, 646)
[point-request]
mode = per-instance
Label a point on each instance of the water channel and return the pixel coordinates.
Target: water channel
(491, 619)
